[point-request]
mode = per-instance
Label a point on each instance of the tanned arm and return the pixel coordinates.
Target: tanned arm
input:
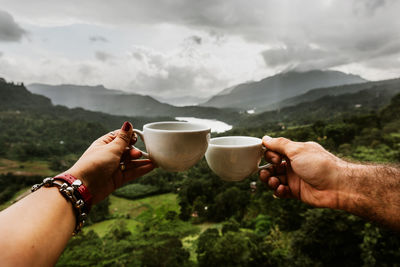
(308, 172)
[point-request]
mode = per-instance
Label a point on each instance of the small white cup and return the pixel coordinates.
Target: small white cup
(233, 158)
(175, 146)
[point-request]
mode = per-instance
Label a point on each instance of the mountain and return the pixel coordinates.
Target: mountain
(181, 101)
(363, 98)
(31, 127)
(16, 98)
(259, 95)
(99, 98)
(333, 91)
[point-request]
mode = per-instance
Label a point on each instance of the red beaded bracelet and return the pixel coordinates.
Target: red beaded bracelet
(82, 189)
(74, 191)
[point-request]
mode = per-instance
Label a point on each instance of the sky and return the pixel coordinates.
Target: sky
(176, 48)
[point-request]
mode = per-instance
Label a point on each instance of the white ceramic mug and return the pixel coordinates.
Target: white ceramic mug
(233, 158)
(175, 146)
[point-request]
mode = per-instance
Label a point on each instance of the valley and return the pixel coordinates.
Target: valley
(190, 218)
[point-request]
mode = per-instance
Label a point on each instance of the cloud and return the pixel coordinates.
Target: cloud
(303, 58)
(199, 47)
(176, 74)
(1, 54)
(98, 38)
(336, 27)
(195, 39)
(367, 7)
(10, 31)
(103, 56)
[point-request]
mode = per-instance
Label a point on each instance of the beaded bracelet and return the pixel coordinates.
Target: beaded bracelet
(69, 192)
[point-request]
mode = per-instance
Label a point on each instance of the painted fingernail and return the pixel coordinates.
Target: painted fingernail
(127, 126)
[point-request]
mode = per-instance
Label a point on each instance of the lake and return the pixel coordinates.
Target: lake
(215, 125)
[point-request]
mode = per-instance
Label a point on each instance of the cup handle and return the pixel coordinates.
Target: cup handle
(140, 134)
(266, 166)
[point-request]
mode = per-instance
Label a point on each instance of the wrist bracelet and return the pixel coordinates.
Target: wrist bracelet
(69, 192)
(81, 188)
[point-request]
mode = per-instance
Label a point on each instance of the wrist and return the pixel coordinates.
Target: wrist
(349, 195)
(77, 184)
(73, 191)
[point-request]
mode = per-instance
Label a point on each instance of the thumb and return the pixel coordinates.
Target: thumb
(281, 145)
(124, 136)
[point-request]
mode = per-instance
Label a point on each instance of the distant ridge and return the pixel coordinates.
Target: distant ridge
(99, 98)
(259, 95)
(314, 94)
(329, 103)
(16, 98)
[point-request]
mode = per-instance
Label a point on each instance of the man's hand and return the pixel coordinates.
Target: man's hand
(305, 171)
(308, 172)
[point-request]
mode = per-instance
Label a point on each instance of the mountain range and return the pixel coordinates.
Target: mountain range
(315, 104)
(16, 99)
(315, 94)
(328, 103)
(261, 94)
(99, 98)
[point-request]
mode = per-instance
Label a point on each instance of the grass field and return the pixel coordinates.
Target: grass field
(158, 204)
(103, 227)
(140, 210)
(36, 167)
(137, 211)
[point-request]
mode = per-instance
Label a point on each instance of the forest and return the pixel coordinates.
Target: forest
(193, 218)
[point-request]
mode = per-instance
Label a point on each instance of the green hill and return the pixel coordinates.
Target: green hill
(370, 97)
(315, 94)
(31, 127)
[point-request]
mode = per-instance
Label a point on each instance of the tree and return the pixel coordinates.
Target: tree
(329, 238)
(231, 249)
(231, 202)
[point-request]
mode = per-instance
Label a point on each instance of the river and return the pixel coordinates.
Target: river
(215, 125)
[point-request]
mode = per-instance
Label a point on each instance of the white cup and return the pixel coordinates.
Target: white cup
(233, 158)
(175, 146)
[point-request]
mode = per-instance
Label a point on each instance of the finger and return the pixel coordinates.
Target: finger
(273, 171)
(107, 138)
(136, 163)
(283, 191)
(272, 157)
(133, 140)
(273, 183)
(264, 175)
(282, 179)
(281, 145)
(123, 137)
(134, 153)
(281, 168)
(137, 172)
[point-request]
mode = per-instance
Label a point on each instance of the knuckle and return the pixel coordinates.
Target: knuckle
(312, 144)
(124, 137)
(282, 140)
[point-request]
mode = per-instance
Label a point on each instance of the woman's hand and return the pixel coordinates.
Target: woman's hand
(99, 167)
